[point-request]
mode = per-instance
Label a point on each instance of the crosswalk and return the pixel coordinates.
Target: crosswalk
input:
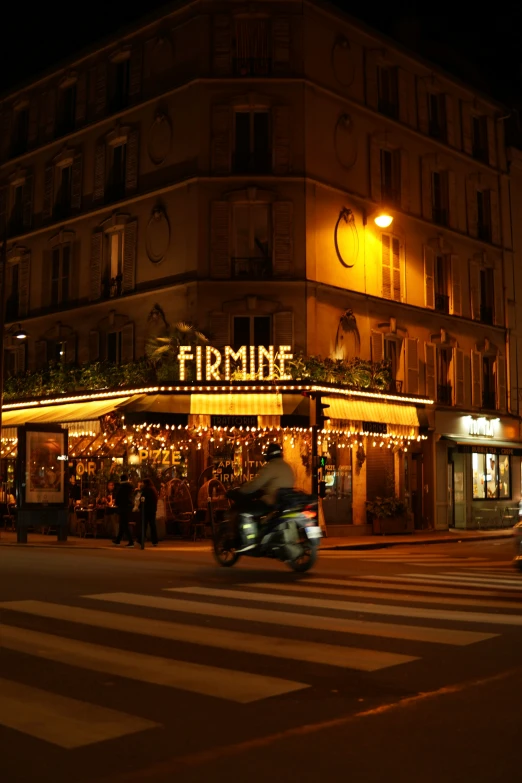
(415, 556)
(350, 623)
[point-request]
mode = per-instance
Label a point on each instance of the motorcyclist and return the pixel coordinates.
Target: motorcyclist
(275, 474)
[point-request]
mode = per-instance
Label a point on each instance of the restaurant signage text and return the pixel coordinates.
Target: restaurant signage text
(254, 362)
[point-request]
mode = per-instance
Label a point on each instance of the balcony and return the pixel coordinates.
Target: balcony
(436, 131)
(489, 400)
(440, 216)
(112, 287)
(442, 303)
(484, 232)
(388, 108)
(252, 66)
(255, 163)
(251, 268)
(444, 394)
(115, 191)
(486, 315)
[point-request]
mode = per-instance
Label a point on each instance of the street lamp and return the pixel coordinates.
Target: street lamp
(383, 219)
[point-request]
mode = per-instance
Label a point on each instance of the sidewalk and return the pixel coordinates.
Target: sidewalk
(8, 538)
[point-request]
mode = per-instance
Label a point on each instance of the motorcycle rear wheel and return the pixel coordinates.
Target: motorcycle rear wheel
(224, 552)
(305, 561)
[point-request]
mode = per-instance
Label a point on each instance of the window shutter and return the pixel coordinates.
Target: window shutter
(21, 358)
(426, 188)
(50, 113)
(377, 346)
(467, 137)
(422, 106)
(456, 286)
(476, 379)
(372, 78)
(412, 365)
(127, 343)
(471, 200)
(47, 209)
(221, 133)
(81, 99)
(283, 329)
(5, 132)
(450, 120)
(474, 285)
(220, 239)
(28, 202)
(95, 286)
(135, 69)
(501, 383)
(70, 349)
(131, 171)
(281, 31)
(99, 172)
(375, 171)
(430, 352)
(3, 209)
(101, 88)
(452, 199)
(386, 266)
(429, 277)
(94, 346)
(283, 240)
(498, 297)
(404, 79)
(405, 180)
(281, 142)
(23, 285)
(41, 354)
(396, 268)
(32, 130)
(222, 46)
(492, 141)
(495, 217)
(458, 365)
(220, 329)
(130, 241)
(76, 183)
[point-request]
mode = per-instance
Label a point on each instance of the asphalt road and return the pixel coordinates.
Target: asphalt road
(401, 664)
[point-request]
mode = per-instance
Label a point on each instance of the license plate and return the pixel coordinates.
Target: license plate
(313, 532)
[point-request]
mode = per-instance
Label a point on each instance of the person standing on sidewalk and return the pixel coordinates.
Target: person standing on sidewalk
(150, 501)
(124, 495)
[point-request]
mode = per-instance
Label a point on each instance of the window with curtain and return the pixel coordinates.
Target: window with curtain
(491, 474)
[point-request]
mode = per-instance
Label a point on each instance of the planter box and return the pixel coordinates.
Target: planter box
(388, 525)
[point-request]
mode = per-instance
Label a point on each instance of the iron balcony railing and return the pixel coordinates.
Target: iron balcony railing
(251, 268)
(486, 314)
(252, 66)
(489, 399)
(442, 303)
(444, 394)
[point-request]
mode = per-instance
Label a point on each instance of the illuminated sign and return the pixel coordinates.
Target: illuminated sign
(256, 363)
(233, 421)
(160, 456)
(482, 427)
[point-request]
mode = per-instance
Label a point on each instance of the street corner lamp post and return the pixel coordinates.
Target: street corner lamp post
(381, 217)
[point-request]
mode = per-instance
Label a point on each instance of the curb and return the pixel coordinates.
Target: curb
(387, 544)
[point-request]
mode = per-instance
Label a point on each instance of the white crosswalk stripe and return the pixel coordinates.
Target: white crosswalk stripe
(338, 614)
(411, 556)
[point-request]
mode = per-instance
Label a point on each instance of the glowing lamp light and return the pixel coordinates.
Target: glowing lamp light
(20, 334)
(383, 220)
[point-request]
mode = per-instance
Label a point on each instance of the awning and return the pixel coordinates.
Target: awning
(234, 404)
(507, 447)
(366, 411)
(62, 414)
(159, 403)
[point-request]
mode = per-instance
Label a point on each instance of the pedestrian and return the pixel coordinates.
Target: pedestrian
(150, 501)
(124, 495)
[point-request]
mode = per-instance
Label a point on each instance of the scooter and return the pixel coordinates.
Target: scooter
(290, 533)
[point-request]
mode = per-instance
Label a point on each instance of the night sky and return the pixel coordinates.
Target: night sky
(483, 49)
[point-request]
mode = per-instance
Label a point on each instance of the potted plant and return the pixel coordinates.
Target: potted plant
(389, 515)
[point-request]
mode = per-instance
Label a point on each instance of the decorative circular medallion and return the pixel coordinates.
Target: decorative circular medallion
(160, 139)
(343, 62)
(158, 236)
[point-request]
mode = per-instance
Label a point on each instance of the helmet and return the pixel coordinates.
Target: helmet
(273, 451)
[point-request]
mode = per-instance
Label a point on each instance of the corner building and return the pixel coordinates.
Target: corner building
(223, 165)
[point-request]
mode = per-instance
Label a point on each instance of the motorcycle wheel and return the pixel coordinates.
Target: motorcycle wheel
(224, 552)
(305, 561)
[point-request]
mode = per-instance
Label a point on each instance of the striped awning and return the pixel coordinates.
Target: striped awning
(237, 404)
(364, 410)
(61, 414)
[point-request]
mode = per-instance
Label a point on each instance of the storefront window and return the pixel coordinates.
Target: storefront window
(491, 476)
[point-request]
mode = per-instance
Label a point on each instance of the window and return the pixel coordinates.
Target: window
(252, 254)
(437, 116)
(120, 84)
(484, 215)
(67, 109)
(388, 92)
(117, 168)
(489, 397)
(252, 48)
(60, 272)
(444, 358)
(391, 176)
(252, 330)
(442, 278)
(16, 222)
(114, 263)
(491, 475)
(392, 354)
(62, 204)
(391, 268)
(252, 150)
(114, 347)
(439, 192)
(20, 132)
(59, 352)
(487, 290)
(13, 292)
(480, 138)
(14, 360)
